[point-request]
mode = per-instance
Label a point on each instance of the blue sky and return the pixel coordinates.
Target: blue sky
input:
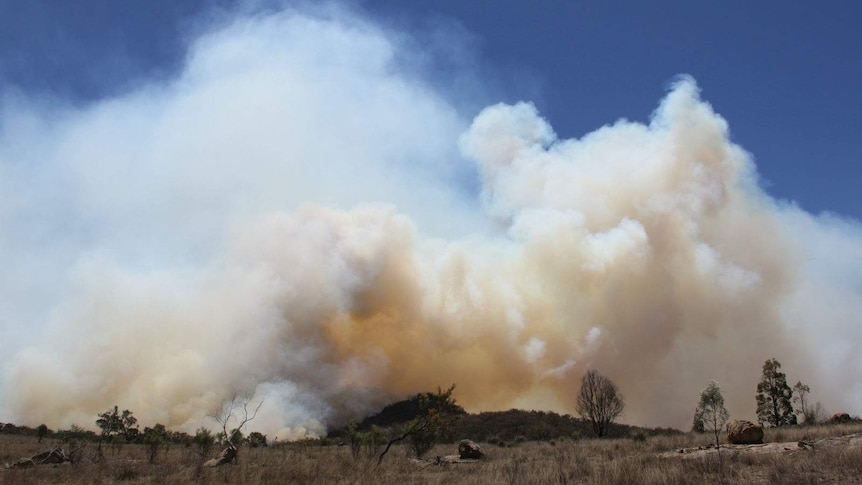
(784, 74)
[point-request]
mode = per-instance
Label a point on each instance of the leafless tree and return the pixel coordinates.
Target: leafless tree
(235, 411)
(599, 400)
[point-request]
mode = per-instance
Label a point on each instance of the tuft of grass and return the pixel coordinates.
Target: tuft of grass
(126, 474)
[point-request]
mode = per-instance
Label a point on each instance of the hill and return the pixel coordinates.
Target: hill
(495, 426)
(521, 425)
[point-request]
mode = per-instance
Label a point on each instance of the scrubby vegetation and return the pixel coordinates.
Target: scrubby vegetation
(408, 409)
(587, 461)
(500, 428)
(518, 447)
(515, 425)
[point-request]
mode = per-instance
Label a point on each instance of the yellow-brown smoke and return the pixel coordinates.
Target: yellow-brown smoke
(647, 251)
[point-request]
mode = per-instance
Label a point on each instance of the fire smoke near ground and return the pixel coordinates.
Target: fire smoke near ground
(300, 215)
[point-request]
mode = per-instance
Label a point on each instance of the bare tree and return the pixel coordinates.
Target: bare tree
(235, 411)
(599, 400)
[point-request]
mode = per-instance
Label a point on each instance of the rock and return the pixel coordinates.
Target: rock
(742, 432)
(467, 449)
(840, 418)
(419, 463)
(227, 456)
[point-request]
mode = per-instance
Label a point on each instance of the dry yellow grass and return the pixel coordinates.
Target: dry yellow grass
(619, 461)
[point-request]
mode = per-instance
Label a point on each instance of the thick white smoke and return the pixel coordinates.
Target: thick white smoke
(288, 218)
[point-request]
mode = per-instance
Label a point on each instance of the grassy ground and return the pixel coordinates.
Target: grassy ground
(618, 461)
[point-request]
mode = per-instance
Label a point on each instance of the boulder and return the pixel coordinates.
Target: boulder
(742, 432)
(467, 449)
(446, 460)
(839, 418)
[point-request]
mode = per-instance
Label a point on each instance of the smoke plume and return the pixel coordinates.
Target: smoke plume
(302, 216)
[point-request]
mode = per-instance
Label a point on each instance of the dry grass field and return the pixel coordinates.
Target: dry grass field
(616, 461)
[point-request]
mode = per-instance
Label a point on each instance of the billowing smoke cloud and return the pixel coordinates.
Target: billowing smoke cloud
(293, 216)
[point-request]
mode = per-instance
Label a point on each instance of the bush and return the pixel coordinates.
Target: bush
(422, 440)
(204, 441)
(42, 432)
(154, 438)
(256, 439)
